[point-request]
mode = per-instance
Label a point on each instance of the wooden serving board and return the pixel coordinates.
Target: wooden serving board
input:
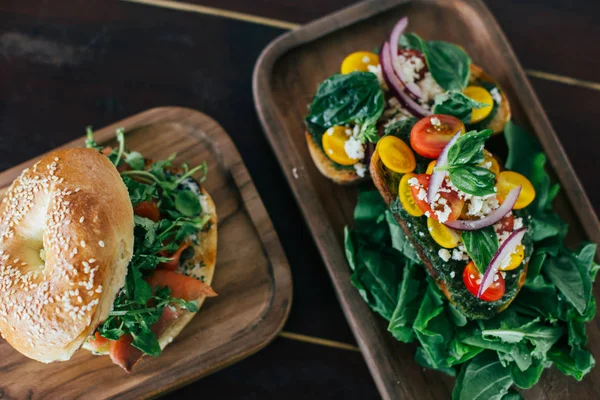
(286, 77)
(252, 276)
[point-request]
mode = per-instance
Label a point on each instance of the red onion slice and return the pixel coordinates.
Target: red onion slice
(398, 30)
(504, 251)
(491, 218)
(437, 177)
(396, 86)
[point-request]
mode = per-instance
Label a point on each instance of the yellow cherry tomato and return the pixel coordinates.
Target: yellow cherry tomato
(406, 198)
(507, 181)
(430, 167)
(444, 236)
(359, 61)
(481, 95)
(333, 141)
(396, 155)
(516, 259)
(489, 158)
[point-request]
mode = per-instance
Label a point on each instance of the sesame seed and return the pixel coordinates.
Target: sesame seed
(81, 219)
(101, 243)
(82, 243)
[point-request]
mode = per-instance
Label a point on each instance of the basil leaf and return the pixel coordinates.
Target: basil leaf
(473, 180)
(481, 245)
(468, 148)
(345, 99)
(456, 104)
(484, 377)
(135, 160)
(187, 203)
(448, 64)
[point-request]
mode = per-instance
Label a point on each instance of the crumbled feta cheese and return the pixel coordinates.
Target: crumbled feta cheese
(410, 67)
(435, 121)
(429, 88)
(518, 223)
(330, 151)
(421, 234)
(348, 132)
(330, 131)
(452, 274)
(360, 169)
(354, 148)
(480, 206)
(422, 194)
(366, 59)
(496, 95)
(376, 69)
(459, 255)
(413, 182)
(444, 254)
(443, 214)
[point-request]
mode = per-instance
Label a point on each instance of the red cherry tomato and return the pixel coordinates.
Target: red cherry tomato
(507, 223)
(453, 200)
(472, 278)
(428, 139)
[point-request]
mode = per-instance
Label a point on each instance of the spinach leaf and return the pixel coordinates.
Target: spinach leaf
(576, 366)
(343, 99)
(409, 301)
(399, 240)
(481, 246)
(484, 377)
(571, 278)
(541, 336)
(463, 159)
(449, 65)
(456, 104)
(528, 378)
(525, 157)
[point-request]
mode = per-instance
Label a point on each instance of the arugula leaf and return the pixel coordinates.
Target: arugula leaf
(463, 159)
(484, 377)
(449, 65)
(187, 203)
(354, 98)
(456, 104)
(135, 160)
(481, 246)
(140, 192)
(147, 342)
(90, 143)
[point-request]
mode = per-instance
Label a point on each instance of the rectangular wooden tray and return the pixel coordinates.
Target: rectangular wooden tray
(285, 79)
(252, 276)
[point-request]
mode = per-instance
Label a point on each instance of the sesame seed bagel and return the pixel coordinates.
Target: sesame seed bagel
(66, 237)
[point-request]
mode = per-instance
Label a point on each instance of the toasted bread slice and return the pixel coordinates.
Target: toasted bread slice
(341, 176)
(201, 266)
(347, 176)
(386, 182)
(502, 115)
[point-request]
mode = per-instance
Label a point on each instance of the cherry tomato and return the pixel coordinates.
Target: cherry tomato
(494, 165)
(428, 139)
(507, 181)
(359, 61)
(147, 209)
(507, 223)
(444, 236)
(406, 197)
(334, 140)
(481, 95)
(396, 155)
(419, 193)
(472, 278)
(516, 259)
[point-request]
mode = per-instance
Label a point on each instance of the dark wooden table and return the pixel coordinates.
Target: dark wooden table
(71, 63)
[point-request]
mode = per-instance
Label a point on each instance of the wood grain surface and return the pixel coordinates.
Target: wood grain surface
(252, 276)
(286, 77)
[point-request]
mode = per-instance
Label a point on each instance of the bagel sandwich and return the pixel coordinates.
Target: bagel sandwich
(351, 109)
(132, 265)
(460, 250)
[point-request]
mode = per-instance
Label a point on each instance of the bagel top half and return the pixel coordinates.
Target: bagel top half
(66, 238)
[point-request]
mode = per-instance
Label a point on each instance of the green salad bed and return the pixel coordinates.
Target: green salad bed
(545, 325)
